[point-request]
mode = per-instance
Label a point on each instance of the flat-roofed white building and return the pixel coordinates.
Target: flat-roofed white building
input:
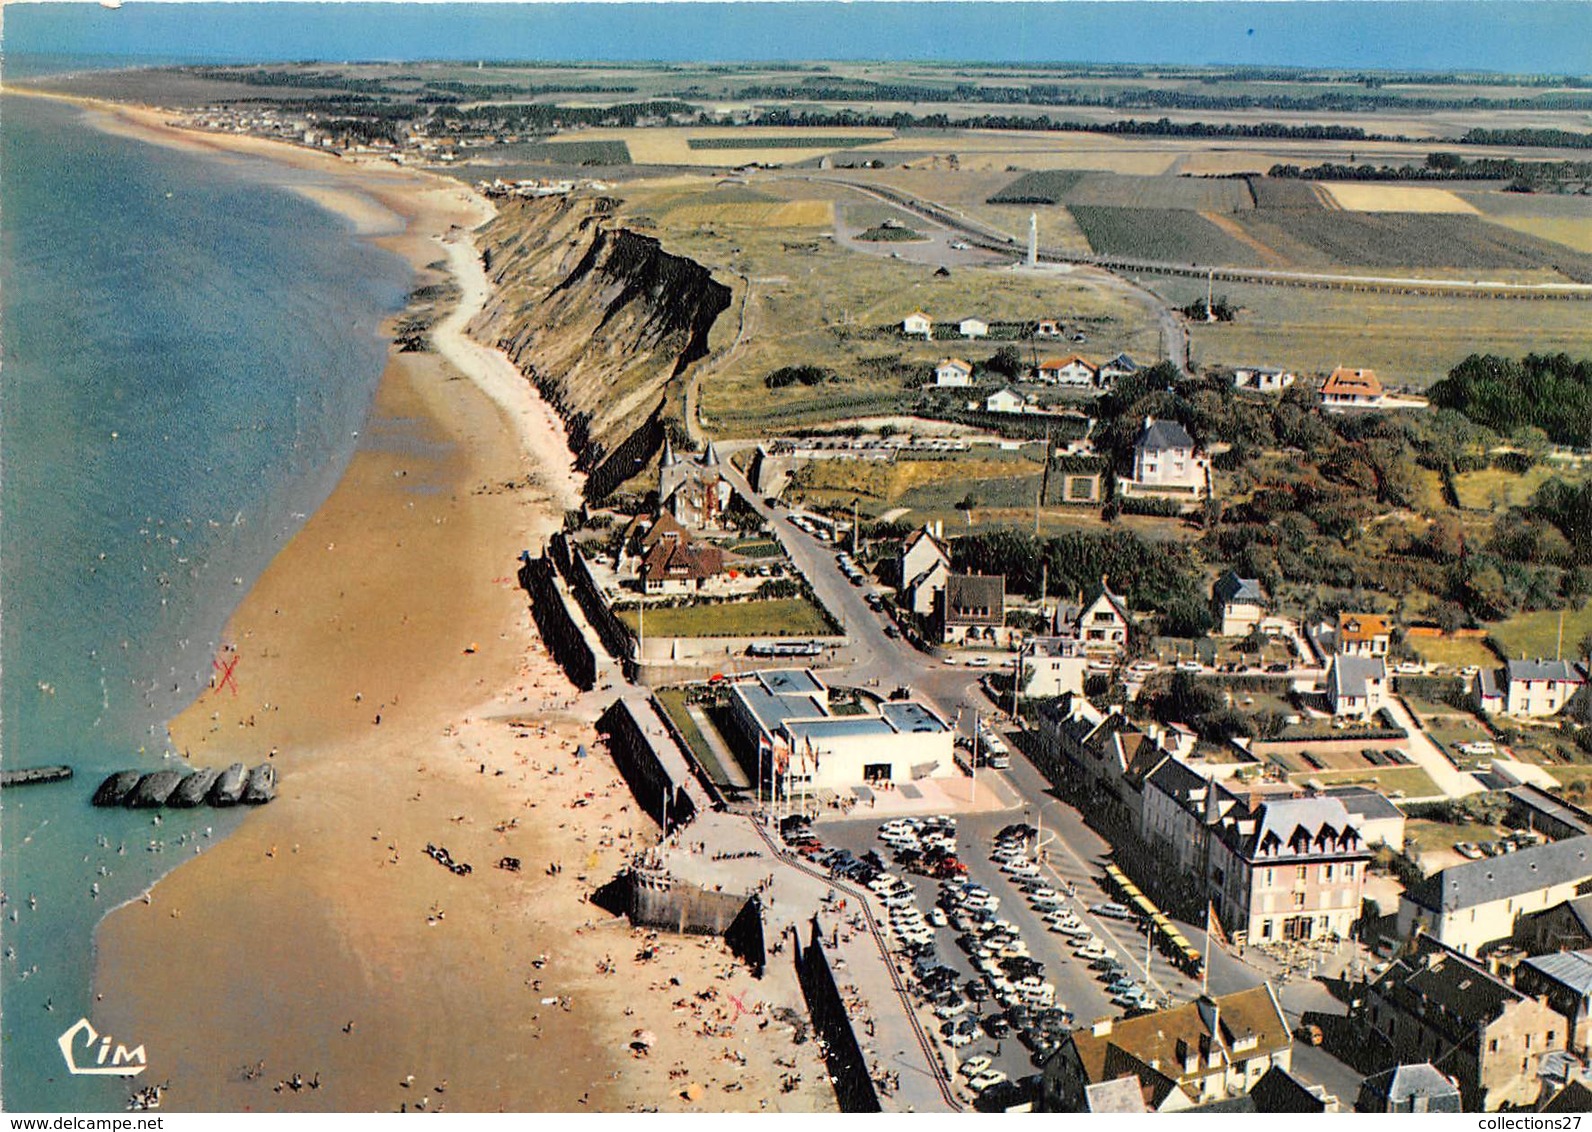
(785, 732)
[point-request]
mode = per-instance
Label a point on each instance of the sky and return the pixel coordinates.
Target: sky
(1533, 36)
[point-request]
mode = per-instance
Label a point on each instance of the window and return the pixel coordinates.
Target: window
(1326, 872)
(1547, 1039)
(1269, 879)
(1528, 1041)
(1299, 874)
(1492, 1046)
(1348, 871)
(1298, 900)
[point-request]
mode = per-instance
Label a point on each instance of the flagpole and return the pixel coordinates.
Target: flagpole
(1205, 975)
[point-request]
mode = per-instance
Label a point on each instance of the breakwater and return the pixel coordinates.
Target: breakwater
(140, 790)
(34, 775)
(648, 760)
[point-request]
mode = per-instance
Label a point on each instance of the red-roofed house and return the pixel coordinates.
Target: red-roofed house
(1351, 389)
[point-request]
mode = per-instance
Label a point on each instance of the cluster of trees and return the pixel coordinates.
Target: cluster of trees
(1556, 139)
(1552, 392)
(799, 375)
(1354, 99)
(1151, 576)
(1445, 167)
(531, 117)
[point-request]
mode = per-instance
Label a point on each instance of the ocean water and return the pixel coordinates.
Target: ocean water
(185, 356)
(1488, 35)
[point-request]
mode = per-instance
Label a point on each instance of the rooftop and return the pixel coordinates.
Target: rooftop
(908, 716)
(1351, 674)
(1159, 436)
(771, 709)
(1163, 1039)
(1364, 803)
(790, 681)
(1363, 627)
(1560, 670)
(1402, 1082)
(1463, 992)
(975, 598)
(1348, 382)
(1231, 588)
(1571, 969)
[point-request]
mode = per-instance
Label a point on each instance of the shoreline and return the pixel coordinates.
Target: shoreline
(388, 663)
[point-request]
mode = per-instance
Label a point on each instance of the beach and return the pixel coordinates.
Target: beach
(386, 664)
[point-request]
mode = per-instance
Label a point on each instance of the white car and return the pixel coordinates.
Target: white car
(938, 918)
(986, 1080)
(951, 1009)
(973, 1066)
(958, 1039)
(979, 662)
(1190, 666)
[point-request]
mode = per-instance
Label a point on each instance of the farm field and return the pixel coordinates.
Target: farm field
(1395, 198)
(808, 301)
(1466, 243)
(1410, 340)
(1163, 234)
(663, 146)
(1119, 191)
(781, 617)
(1537, 634)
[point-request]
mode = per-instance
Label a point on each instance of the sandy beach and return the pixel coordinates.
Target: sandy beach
(387, 664)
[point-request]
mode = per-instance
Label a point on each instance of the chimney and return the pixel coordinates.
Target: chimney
(1148, 421)
(1101, 1028)
(1210, 1014)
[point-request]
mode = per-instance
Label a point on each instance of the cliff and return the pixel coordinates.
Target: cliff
(602, 319)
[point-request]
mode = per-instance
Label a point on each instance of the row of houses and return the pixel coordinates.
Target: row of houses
(919, 324)
(1274, 860)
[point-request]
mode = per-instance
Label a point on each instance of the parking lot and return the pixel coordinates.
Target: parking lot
(1005, 953)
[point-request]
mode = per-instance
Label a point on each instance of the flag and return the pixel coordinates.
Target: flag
(1213, 926)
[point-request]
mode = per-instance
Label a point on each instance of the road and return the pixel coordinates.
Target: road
(1425, 754)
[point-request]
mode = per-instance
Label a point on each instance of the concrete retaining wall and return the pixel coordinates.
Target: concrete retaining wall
(616, 636)
(558, 629)
(657, 778)
(854, 1087)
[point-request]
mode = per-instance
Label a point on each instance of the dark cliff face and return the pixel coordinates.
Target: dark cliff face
(602, 319)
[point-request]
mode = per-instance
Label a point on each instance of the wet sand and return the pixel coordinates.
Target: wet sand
(388, 660)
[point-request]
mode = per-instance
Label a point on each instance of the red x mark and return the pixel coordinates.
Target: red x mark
(226, 671)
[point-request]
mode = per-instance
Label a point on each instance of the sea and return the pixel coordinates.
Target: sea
(187, 352)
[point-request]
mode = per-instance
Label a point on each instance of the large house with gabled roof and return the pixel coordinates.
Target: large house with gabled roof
(1167, 464)
(1239, 605)
(1530, 689)
(1471, 905)
(1212, 1049)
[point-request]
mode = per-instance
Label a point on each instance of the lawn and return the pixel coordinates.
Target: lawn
(1408, 339)
(1411, 781)
(673, 702)
(1537, 634)
(783, 617)
(1435, 835)
(1458, 652)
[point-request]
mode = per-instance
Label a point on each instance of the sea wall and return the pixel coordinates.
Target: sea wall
(555, 624)
(854, 1087)
(657, 773)
(614, 633)
(602, 319)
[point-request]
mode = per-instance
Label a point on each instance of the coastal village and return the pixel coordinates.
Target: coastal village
(1006, 702)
